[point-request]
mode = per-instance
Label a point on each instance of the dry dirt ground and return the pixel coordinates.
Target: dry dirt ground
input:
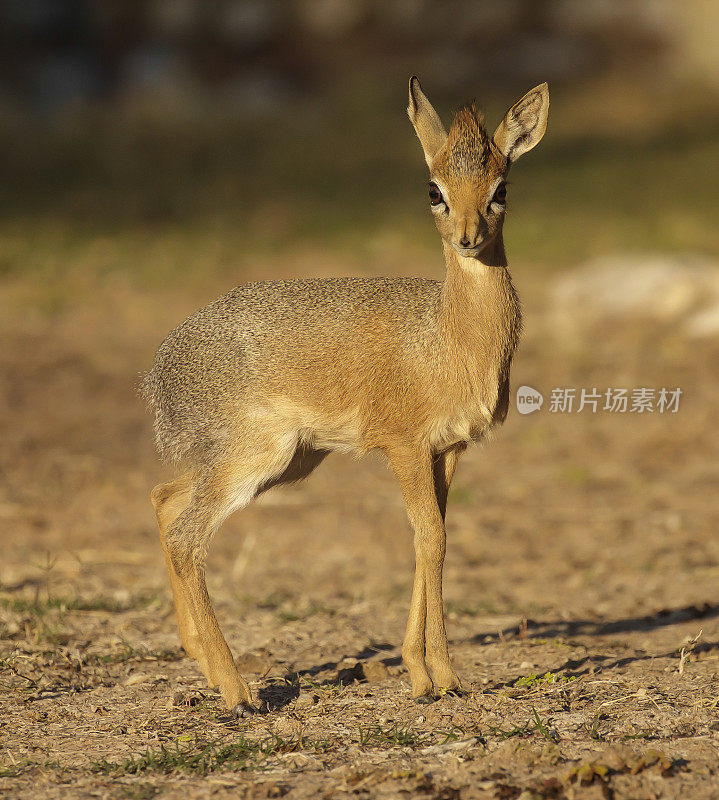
(583, 563)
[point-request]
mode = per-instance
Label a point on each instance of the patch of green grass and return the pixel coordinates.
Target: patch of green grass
(203, 757)
(537, 642)
(641, 735)
(523, 731)
(509, 733)
(39, 607)
(594, 732)
(541, 727)
(306, 612)
(16, 770)
(454, 735)
(532, 681)
(392, 736)
(131, 653)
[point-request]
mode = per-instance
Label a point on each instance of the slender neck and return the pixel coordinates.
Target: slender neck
(479, 305)
(470, 278)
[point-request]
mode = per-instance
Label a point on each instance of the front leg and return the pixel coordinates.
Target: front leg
(436, 648)
(414, 637)
(425, 643)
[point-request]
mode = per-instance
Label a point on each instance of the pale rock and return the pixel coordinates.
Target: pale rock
(680, 290)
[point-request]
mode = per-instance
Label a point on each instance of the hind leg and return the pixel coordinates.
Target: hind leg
(169, 501)
(222, 489)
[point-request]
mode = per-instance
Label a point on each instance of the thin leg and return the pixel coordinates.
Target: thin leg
(222, 489)
(187, 542)
(436, 649)
(170, 500)
(414, 638)
(425, 642)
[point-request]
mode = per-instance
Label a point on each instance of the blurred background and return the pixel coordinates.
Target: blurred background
(165, 138)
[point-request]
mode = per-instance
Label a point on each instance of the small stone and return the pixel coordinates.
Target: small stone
(375, 671)
(138, 677)
(305, 700)
(257, 663)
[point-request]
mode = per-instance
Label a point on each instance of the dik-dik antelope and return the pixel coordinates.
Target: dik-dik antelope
(256, 389)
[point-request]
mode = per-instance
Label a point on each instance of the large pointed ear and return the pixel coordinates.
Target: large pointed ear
(426, 121)
(524, 124)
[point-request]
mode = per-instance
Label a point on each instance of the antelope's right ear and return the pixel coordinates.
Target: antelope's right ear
(427, 124)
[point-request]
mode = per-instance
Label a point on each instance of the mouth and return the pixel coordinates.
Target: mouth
(470, 252)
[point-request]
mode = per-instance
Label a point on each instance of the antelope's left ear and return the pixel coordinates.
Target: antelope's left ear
(524, 124)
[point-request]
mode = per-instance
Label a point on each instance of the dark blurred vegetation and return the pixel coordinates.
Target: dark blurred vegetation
(179, 136)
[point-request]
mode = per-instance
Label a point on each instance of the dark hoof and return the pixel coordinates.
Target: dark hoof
(243, 710)
(426, 699)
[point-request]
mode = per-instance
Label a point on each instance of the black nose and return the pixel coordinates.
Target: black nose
(464, 241)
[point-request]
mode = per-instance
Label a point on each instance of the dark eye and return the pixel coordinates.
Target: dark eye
(500, 196)
(435, 196)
